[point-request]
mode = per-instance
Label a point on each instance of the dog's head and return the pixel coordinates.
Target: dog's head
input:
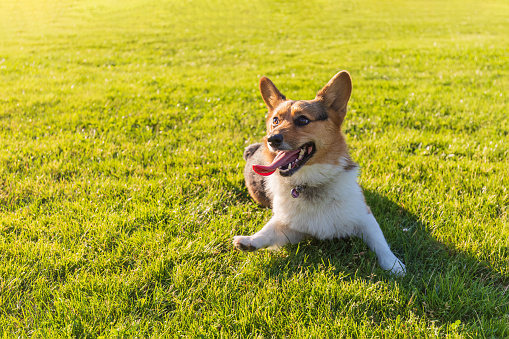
(305, 132)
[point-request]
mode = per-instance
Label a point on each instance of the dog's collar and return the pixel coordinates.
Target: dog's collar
(297, 190)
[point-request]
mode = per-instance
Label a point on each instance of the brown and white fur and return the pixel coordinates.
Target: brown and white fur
(331, 203)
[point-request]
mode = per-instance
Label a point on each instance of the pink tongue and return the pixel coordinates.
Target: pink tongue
(283, 158)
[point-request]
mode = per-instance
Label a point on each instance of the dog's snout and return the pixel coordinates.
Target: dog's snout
(275, 140)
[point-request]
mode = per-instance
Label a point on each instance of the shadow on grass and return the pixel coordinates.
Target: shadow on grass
(442, 284)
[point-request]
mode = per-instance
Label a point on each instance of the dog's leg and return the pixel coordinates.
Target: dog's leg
(371, 233)
(273, 235)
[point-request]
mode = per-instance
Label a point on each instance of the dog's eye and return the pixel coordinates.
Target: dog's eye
(301, 121)
(275, 121)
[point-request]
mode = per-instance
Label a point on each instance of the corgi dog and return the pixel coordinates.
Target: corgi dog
(303, 170)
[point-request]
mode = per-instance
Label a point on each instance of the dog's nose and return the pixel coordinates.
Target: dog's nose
(275, 140)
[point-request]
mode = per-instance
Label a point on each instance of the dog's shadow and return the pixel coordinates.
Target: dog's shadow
(442, 284)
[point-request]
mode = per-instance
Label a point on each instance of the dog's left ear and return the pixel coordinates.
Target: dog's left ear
(336, 93)
(270, 94)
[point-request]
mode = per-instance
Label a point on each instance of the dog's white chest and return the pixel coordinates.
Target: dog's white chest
(326, 211)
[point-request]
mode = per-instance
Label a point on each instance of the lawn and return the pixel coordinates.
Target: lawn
(122, 127)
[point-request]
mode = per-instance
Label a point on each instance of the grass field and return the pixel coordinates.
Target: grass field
(122, 127)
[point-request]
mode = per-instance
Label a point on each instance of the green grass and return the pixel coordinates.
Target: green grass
(122, 125)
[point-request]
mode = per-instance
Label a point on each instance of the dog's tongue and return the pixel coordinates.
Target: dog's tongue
(283, 158)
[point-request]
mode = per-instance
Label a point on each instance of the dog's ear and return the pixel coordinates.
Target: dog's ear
(336, 93)
(270, 93)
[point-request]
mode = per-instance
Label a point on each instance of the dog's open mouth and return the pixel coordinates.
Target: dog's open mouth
(288, 162)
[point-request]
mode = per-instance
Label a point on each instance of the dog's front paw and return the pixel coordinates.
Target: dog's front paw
(392, 264)
(398, 268)
(244, 244)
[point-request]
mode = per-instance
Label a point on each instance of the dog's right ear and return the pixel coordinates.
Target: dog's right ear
(270, 93)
